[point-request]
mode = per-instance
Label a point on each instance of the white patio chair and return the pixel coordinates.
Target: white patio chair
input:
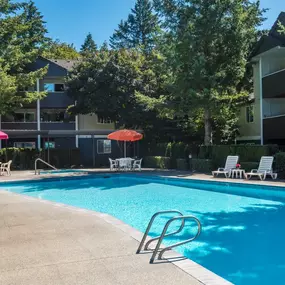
(231, 163)
(6, 167)
(113, 164)
(264, 169)
(137, 164)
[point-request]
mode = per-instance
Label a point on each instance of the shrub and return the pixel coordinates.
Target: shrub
(248, 166)
(182, 164)
(202, 165)
(219, 153)
(157, 162)
(280, 164)
(24, 158)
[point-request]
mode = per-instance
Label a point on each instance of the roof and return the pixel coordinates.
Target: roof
(67, 64)
(273, 39)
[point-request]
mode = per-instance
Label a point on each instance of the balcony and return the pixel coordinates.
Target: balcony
(46, 126)
(56, 100)
(18, 126)
(273, 132)
(273, 85)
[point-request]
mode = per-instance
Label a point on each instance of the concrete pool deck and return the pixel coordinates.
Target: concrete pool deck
(49, 243)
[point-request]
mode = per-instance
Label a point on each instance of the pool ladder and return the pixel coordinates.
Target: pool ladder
(37, 171)
(164, 234)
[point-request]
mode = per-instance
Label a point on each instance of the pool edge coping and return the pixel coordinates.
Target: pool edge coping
(195, 270)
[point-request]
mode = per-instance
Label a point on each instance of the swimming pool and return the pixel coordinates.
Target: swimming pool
(243, 234)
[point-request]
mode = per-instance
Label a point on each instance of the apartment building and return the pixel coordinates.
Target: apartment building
(263, 120)
(46, 124)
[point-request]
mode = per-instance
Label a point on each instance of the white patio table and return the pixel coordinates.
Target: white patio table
(125, 163)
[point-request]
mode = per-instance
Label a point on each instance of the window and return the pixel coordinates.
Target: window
(25, 144)
(24, 117)
(29, 117)
(104, 146)
(102, 120)
(19, 117)
(249, 114)
(54, 87)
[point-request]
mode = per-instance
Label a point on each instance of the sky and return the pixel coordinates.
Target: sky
(71, 20)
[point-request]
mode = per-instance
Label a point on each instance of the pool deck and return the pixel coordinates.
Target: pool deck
(49, 243)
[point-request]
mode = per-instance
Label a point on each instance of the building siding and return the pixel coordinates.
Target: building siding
(248, 130)
(90, 122)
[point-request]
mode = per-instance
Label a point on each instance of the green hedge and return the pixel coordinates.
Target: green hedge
(24, 158)
(280, 164)
(182, 164)
(174, 151)
(21, 158)
(248, 166)
(202, 165)
(219, 153)
(157, 162)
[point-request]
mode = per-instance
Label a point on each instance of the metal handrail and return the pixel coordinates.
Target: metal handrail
(150, 224)
(163, 235)
(39, 159)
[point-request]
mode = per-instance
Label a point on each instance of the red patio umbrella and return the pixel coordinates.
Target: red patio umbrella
(125, 136)
(3, 136)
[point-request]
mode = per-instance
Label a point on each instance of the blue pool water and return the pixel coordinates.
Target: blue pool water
(243, 235)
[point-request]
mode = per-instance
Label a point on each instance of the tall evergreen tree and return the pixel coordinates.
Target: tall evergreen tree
(89, 45)
(22, 32)
(104, 46)
(139, 30)
(210, 42)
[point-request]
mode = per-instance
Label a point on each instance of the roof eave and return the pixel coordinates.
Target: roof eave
(268, 52)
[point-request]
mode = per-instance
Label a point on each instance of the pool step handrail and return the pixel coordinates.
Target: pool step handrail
(165, 234)
(41, 160)
(149, 227)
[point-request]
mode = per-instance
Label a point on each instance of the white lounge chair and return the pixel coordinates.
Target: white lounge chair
(6, 167)
(264, 169)
(137, 164)
(113, 164)
(231, 163)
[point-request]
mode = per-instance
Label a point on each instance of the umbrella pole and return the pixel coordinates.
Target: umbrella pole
(125, 148)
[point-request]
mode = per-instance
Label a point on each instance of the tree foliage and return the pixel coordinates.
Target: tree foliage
(139, 30)
(22, 33)
(89, 46)
(104, 46)
(54, 49)
(208, 46)
(281, 28)
(107, 85)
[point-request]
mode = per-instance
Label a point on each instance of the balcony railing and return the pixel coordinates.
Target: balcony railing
(45, 126)
(56, 100)
(19, 126)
